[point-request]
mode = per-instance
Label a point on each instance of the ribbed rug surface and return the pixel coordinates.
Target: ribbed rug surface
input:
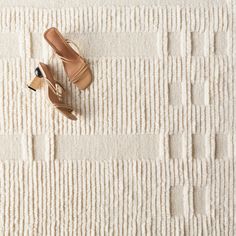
(153, 151)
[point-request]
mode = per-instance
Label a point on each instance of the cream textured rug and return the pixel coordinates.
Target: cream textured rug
(153, 152)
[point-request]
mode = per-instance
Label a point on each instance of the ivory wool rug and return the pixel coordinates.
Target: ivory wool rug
(153, 150)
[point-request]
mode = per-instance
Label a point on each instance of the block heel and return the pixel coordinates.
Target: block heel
(37, 82)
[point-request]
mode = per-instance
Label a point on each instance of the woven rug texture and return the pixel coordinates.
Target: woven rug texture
(153, 150)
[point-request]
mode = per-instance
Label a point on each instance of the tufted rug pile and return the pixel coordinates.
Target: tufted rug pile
(153, 151)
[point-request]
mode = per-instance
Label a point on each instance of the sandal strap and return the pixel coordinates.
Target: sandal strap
(63, 106)
(64, 59)
(74, 44)
(57, 89)
(77, 75)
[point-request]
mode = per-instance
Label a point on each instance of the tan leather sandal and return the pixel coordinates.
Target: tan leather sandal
(76, 68)
(54, 89)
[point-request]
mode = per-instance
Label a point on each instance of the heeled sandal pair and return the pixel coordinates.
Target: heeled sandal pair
(76, 68)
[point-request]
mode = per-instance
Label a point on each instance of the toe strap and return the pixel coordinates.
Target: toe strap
(66, 110)
(77, 75)
(63, 106)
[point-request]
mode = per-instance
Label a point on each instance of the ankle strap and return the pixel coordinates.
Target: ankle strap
(57, 89)
(64, 59)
